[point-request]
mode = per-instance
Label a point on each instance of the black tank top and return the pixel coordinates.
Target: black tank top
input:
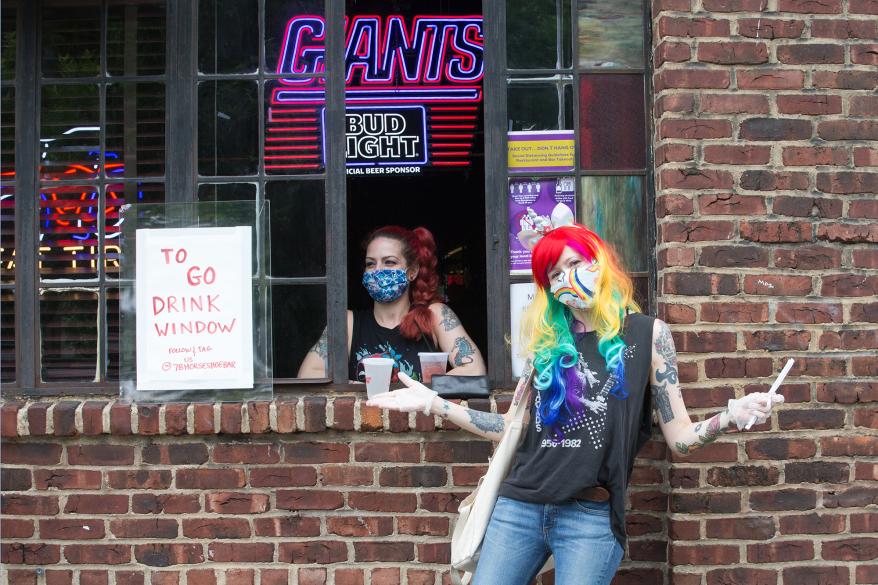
(598, 446)
(369, 339)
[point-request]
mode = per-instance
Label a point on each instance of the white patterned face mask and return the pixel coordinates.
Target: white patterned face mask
(577, 288)
(385, 286)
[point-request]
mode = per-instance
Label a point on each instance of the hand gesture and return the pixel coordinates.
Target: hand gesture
(758, 405)
(414, 398)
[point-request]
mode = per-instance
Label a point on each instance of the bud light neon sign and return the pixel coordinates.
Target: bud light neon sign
(413, 92)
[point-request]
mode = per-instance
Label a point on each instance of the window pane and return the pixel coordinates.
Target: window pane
(298, 319)
(615, 208)
(68, 335)
(534, 30)
(68, 232)
(227, 192)
(540, 105)
(228, 36)
(71, 36)
(612, 124)
(7, 234)
(118, 195)
(112, 367)
(136, 37)
(7, 45)
(135, 139)
(69, 131)
(298, 230)
(228, 127)
(7, 133)
(642, 292)
(280, 37)
(7, 335)
(610, 33)
(294, 119)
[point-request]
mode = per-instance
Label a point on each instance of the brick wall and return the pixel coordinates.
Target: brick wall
(766, 154)
(306, 491)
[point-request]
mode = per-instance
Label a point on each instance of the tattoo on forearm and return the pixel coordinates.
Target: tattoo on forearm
(664, 345)
(662, 402)
(712, 430)
(449, 319)
(322, 345)
(486, 421)
(446, 409)
(463, 351)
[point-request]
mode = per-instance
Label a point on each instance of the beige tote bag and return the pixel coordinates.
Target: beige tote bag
(475, 511)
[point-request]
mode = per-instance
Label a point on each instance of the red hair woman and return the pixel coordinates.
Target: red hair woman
(406, 316)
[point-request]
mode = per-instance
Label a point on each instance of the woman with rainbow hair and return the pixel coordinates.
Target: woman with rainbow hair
(600, 369)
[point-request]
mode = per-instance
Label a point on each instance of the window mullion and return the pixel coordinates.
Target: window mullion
(496, 208)
(336, 193)
(27, 126)
(181, 90)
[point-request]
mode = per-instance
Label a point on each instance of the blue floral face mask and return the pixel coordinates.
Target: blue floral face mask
(385, 286)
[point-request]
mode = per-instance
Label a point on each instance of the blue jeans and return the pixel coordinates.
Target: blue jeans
(522, 535)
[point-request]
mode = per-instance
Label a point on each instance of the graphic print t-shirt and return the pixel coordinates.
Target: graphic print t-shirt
(369, 339)
(599, 445)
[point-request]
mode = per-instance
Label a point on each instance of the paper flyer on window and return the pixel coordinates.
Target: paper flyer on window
(531, 202)
(520, 296)
(194, 308)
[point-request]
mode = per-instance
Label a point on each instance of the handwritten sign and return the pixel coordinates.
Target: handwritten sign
(540, 151)
(194, 309)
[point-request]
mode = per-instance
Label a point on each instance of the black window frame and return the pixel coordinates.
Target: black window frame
(181, 180)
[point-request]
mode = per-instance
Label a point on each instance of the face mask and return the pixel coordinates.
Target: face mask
(385, 286)
(577, 288)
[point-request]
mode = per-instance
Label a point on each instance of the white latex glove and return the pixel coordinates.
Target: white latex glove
(758, 405)
(415, 398)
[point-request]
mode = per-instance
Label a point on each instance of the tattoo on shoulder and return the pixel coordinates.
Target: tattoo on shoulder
(449, 319)
(662, 402)
(463, 351)
(664, 345)
(322, 345)
(486, 421)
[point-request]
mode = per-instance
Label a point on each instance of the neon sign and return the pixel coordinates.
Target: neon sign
(413, 93)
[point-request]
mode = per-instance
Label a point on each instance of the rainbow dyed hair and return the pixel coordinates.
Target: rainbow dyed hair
(546, 328)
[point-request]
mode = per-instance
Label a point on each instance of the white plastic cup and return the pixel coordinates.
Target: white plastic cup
(433, 363)
(378, 373)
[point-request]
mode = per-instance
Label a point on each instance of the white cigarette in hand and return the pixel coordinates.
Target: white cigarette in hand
(783, 374)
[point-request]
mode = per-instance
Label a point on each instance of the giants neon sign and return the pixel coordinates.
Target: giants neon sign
(413, 93)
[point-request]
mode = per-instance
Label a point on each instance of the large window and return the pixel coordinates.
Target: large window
(105, 103)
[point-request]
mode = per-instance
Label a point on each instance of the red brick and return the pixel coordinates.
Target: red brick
(97, 554)
(820, 418)
(864, 312)
(811, 6)
(770, 79)
(258, 416)
(695, 129)
(737, 154)
(843, 29)
(808, 258)
(240, 552)
(734, 104)
(278, 577)
(316, 452)
(812, 524)
(704, 554)
(692, 79)
(470, 451)
(807, 206)
(785, 499)
(696, 179)
(845, 79)
(70, 529)
(230, 418)
(246, 453)
(850, 549)
(166, 554)
(148, 419)
(343, 413)
(769, 28)
(808, 156)
(816, 472)
(175, 419)
(385, 577)
(203, 415)
(314, 414)
(672, 52)
(863, 6)
(734, 312)
(286, 416)
(863, 523)
(674, 204)
(742, 475)
(387, 552)
(210, 478)
(200, 577)
(285, 476)
(863, 209)
(864, 366)
(734, 256)
(385, 501)
(851, 130)
(779, 449)
(288, 526)
(816, 575)
(349, 577)
(864, 54)
(120, 418)
(67, 479)
(866, 157)
(777, 285)
(390, 452)
(679, 103)
(849, 446)
(64, 418)
(17, 528)
(140, 479)
(30, 453)
(731, 204)
(347, 475)
(692, 27)
(175, 453)
(776, 129)
(96, 504)
(165, 503)
(697, 231)
(311, 576)
(810, 313)
(241, 577)
(313, 551)
(706, 502)
(733, 53)
(760, 528)
(360, 526)
(865, 258)
(29, 505)
(54, 577)
(216, 528)
(309, 500)
(16, 553)
(776, 232)
(144, 528)
(847, 392)
(812, 53)
(780, 552)
(100, 454)
(849, 285)
(759, 180)
(236, 503)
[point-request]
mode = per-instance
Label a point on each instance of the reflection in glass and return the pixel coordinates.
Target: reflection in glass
(294, 131)
(7, 335)
(611, 34)
(7, 234)
(69, 337)
(297, 228)
(71, 38)
(228, 36)
(298, 319)
(228, 128)
(69, 131)
(136, 37)
(278, 14)
(615, 208)
(68, 246)
(135, 139)
(641, 292)
(540, 105)
(7, 133)
(534, 30)
(227, 192)
(118, 195)
(612, 123)
(7, 39)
